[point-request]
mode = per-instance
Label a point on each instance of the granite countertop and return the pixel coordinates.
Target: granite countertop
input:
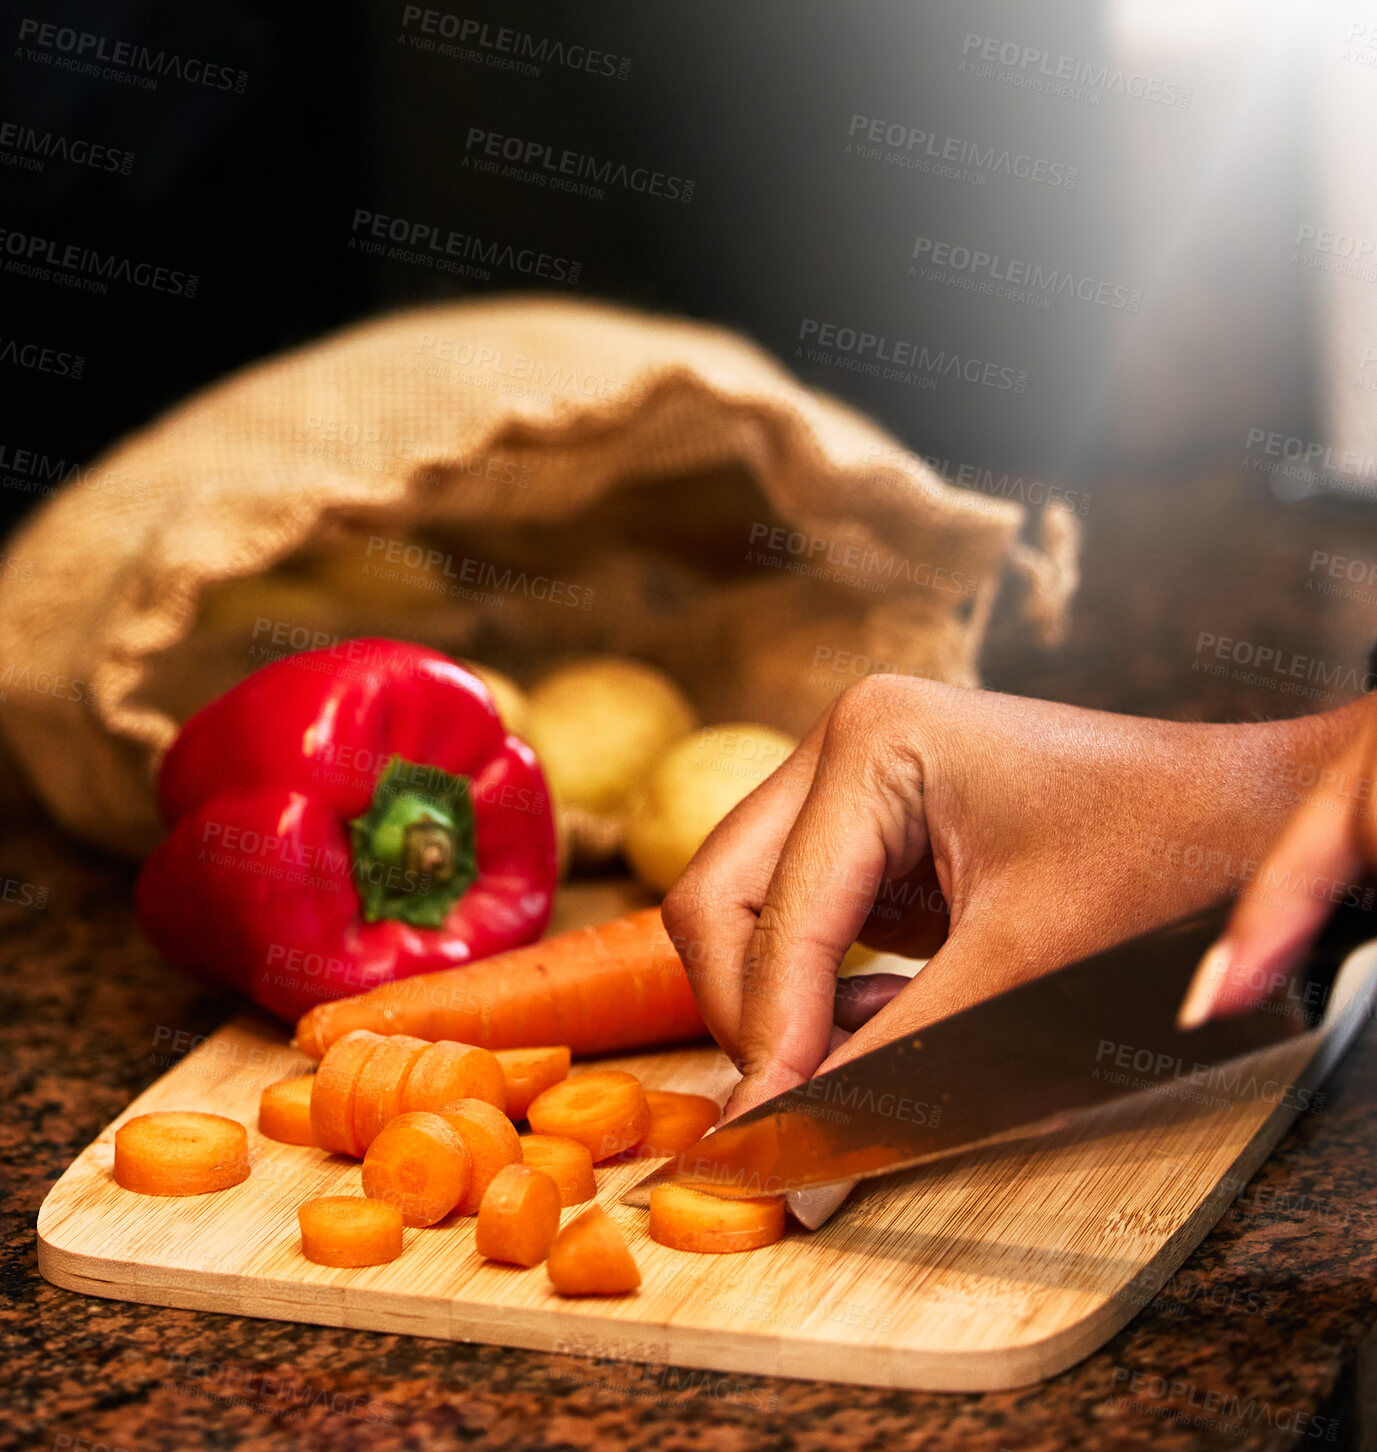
(1260, 1340)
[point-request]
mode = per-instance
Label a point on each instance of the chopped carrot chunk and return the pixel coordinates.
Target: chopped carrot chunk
(180, 1153)
(590, 1258)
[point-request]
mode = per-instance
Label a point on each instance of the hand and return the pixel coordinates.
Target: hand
(1002, 836)
(1318, 861)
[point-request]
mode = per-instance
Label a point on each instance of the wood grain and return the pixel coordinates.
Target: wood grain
(987, 1270)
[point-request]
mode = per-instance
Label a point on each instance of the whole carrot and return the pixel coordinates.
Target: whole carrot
(616, 985)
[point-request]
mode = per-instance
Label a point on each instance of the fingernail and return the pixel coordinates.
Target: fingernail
(1200, 996)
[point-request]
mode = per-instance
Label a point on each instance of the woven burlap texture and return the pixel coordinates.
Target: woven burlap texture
(699, 507)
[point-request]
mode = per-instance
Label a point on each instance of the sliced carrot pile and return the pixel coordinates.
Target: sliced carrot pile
(380, 1085)
(492, 1144)
(519, 1217)
(676, 1122)
(590, 1258)
(420, 1164)
(566, 1161)
(605, 1110)
(447, 1071)
(687, 1219)
(530, 1071)
(180, 1153)
(332, 1095)
(348, 1230)
(284, 1110)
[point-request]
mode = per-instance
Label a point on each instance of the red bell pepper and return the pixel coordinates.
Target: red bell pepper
(346, 817)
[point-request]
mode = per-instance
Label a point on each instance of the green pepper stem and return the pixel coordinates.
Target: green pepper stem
(414, 854)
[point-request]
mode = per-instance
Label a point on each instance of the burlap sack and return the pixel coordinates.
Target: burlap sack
(514, 480)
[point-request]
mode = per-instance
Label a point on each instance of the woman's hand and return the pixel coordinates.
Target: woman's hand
(1318, 861)
(1002, 836)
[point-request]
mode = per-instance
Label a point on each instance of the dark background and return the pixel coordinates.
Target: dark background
(342, 111)
(357, 109)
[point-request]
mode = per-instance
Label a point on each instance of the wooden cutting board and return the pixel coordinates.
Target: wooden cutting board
(990, 1269)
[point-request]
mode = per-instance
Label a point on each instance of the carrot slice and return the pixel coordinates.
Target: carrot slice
(676, 1122)
(687, 1219)
(492, 1143)
(176, 1152)
(447, 1071)
(566, 1161)
(381, 1083)
(606, 1110)
(284, 1110)
(530, 1071)
(332, 1095)
(420, 1164)
(349, 1230)
(590, 1258)
(519, 1217)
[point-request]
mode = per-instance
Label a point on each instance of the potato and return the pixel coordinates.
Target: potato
(599, 726)
(691, 790)
(507, 696)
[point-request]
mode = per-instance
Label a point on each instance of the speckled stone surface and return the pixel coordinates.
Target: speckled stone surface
(1259, 1340)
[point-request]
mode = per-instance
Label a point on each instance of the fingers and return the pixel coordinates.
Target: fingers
(862, 996)
(861, 822)
(710, 913)
(1319, 852)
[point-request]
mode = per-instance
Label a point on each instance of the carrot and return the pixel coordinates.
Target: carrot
(348, 1230)
(590, 1258)
(332, 1095)
(687, 1219)
(567, 1163)
(180, 1152)
(519, 1217)
(528, 1072)
(420, 1164)
(447, 1071)
(284, 1110)
(381, 1083)
(615, 985)
(492, 1144)
(605, 1110)
(676, 1122)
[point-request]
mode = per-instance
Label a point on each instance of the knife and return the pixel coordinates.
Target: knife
(1021, 1063)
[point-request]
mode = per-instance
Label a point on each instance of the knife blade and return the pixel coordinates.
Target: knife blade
(1022, 1062)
